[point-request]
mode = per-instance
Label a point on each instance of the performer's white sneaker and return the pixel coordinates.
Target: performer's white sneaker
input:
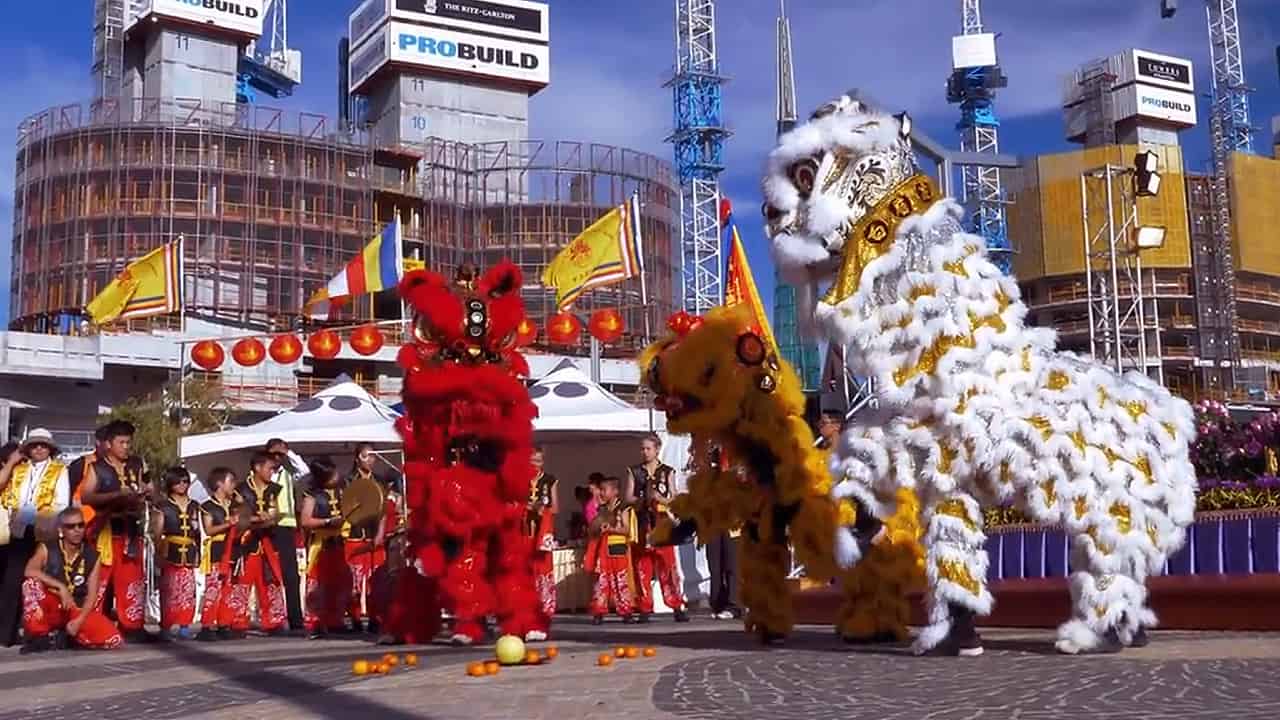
(460, 639)
(535, 636)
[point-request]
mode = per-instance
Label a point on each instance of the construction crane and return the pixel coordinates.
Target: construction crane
(974, 79)
(802, 356)
(1230, 131)
(269, 65)
(698, 137)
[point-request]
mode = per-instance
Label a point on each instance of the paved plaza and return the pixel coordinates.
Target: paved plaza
(705, 669)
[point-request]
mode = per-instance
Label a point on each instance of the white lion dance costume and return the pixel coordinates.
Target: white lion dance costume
(976, 407)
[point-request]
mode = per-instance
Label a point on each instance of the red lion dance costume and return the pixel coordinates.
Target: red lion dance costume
(468, 440)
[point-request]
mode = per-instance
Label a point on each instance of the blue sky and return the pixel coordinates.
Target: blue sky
(610, 58)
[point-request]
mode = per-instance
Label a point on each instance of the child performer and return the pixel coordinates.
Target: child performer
(258, 568)
(178, 540)
(609, 554)
(328, 577)
(540, 525)
(220, 515)
(60, 592)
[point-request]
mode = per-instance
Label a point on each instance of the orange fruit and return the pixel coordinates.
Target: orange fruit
(605, 660)
(619, 652)
(632, 653)
(476, 669)
(532, 657)
(491, 667)
(650, 652)
(390, 659)
(410, 659)
(552, 652)
(383, 668)
(360, 667)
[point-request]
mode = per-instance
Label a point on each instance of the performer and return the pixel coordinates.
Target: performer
(258, 568)
(33, 488)
(650, 491)
(284, 535)
(115, 486)
(382, 584)
(219, 515)
(539, 526)
(613, 535)
(363, 553)
(178, 543)
(61, 592)
(328, 578)
(76, 470)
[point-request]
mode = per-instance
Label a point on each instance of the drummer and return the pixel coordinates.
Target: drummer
(364, 552)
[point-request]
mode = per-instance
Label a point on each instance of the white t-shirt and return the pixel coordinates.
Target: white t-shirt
(26, 515)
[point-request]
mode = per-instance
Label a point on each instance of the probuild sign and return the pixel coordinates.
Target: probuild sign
(239, 16)
(514, 18)
(458, 53)
(1170, 106)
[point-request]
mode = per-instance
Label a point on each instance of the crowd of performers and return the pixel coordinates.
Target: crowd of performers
(73, 568)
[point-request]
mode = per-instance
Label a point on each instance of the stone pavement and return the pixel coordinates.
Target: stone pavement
(705, 669)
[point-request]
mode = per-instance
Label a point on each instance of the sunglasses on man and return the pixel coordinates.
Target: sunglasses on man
(73, 526)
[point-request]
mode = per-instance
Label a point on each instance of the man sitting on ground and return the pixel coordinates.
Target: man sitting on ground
(61, 592)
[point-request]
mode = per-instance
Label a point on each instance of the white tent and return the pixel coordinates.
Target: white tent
(336, 418)
(569, 401)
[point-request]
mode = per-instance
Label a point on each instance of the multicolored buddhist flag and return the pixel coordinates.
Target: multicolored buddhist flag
(608, 252)
(150, 285)
(739, 284)
(378, 267)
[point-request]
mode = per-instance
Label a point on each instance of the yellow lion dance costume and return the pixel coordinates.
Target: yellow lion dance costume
(756, 468)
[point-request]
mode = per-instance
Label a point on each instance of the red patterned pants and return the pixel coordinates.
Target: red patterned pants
(125, 578)
(660, 562)
(544, 582)
(363, 559)
(177, 596)
(328, 588)
(613, 583)
(43, 614)
(260, 575)
(216, 610)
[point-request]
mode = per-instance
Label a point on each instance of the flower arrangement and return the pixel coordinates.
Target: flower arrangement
(1236, 464)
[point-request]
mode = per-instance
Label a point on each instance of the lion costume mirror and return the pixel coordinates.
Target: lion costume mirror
(976, 408)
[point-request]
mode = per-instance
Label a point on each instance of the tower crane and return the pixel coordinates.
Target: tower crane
(975, 77)
(698, 137)
(268, 64)
(1230, 131)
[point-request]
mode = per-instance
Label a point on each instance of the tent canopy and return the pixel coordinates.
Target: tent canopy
(568, 400)
(341, 414)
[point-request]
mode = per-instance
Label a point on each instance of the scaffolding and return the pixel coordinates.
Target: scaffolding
(1124, 325)
(272, 205)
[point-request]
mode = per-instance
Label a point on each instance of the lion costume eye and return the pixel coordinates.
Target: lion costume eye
(804, 174)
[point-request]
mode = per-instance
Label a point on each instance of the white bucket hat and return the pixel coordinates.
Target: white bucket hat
(40, 436)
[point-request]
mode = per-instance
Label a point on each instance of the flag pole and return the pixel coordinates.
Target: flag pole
(644, 286)
(182, 284)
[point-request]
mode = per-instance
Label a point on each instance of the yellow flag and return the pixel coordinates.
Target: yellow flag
(740, 285)
(148, 286)
(608, 252)
(411, 264)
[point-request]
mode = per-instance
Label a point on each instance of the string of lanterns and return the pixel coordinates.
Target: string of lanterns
(563, 328)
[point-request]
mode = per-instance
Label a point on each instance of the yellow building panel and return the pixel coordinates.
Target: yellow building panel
(1255, 213)
(1047, 224)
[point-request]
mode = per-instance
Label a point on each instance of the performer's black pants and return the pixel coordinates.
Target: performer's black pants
(13, 566)
(286, 541)
(722, 557)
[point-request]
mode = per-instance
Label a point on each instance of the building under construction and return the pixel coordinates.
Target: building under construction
(272, 204)
(1162, 296)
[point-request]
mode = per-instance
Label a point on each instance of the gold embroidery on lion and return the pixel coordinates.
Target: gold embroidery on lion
(957, 573)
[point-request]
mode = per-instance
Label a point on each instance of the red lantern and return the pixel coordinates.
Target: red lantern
(526, 333)
(285, 349)
(208, 355)
(606, 325)
(366, 339)
(248, 352)
(564, 328)
(680, 323)
(325, 345)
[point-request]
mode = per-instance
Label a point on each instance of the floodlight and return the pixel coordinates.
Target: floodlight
(1168, 8)
(1147, 180)
(1150, 237)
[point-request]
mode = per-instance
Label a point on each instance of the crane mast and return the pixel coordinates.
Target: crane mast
(698, 139)
(975, 77)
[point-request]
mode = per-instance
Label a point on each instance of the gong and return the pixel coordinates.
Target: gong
(362, 501)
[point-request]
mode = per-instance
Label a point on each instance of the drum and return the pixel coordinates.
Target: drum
(362, 502)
